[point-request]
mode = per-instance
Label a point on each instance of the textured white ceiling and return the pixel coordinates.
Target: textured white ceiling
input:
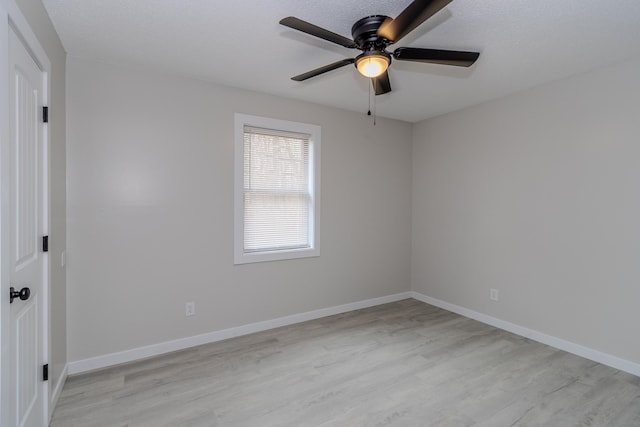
(523, 43)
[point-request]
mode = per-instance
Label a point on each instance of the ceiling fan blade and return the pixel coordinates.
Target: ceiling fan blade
(381, 84)
(436, 56)
(314, 30)
(415, 14)
(321, 70)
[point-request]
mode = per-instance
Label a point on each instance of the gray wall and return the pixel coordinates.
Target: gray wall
(534, 194)
(537, 195)
(38, 19)
(150, 208)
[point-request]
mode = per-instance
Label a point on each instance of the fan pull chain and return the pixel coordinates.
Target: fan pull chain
(374, 100)
(369, 100)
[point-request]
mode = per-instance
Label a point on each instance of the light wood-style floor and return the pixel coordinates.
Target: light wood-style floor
(400, 364)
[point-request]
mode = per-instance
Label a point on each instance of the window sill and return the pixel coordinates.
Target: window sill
(253, 257)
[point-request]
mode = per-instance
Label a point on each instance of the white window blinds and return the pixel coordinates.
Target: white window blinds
(277, 191)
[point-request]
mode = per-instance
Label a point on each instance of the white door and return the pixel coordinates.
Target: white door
(27, 223)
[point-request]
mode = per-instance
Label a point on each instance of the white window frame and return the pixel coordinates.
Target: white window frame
(242, 257)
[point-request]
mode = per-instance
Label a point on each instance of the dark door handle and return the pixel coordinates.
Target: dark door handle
(23, 294)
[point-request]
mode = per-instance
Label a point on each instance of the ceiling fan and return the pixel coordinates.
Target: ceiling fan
(373, 34)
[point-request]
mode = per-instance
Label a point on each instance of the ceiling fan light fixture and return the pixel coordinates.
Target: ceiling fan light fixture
(372, 64)
(373, 34)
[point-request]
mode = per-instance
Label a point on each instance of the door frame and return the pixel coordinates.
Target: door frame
(12, 18)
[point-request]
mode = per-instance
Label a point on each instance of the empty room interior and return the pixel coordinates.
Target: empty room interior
(337, 213)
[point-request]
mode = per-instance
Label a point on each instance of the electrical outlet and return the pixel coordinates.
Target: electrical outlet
(493, 294)
(190, 308)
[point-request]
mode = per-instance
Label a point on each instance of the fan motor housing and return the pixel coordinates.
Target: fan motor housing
(365, 32)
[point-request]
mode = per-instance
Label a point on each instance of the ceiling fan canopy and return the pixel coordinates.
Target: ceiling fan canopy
(373, 34)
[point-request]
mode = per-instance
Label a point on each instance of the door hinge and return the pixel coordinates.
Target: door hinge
(45, 372)
(45, 243)
(45, 114)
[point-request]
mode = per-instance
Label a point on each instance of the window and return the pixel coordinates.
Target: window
(277, 189)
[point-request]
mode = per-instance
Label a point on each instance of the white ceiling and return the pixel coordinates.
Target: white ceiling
(523, 43)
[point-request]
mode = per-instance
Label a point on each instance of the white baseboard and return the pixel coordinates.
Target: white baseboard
(85, 365)
(57, 389)
(559, 343)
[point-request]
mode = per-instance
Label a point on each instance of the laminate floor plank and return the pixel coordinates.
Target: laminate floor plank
(401, 364)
